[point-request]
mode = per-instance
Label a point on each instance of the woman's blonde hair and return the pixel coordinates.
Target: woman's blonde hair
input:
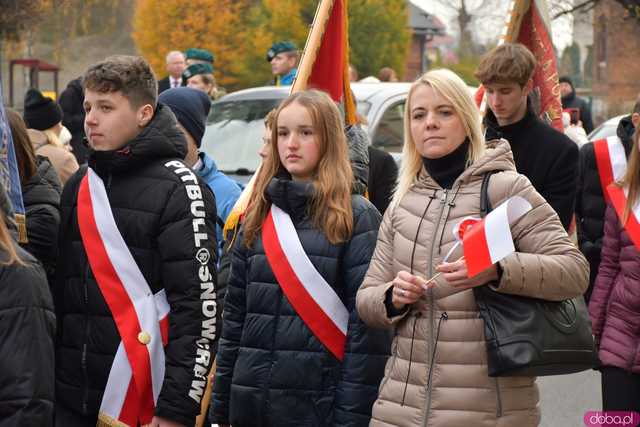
(453, 89)
(330, 209)
(631, 178)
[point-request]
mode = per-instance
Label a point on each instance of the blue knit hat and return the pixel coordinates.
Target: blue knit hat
(191, 108)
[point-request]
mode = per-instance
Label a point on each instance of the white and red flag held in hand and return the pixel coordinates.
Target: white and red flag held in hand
(611, 161)
(489, 240)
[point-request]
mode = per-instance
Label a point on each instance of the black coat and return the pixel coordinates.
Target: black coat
(590, 203)
(574, 101)
(27, 331)
(153, 197)
(41, 197)
(71, 101)
(272, 370)
(383, 176)
(547, 157)
(163, 84)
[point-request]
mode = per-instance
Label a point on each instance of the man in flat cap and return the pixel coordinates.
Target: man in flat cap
(283, 57)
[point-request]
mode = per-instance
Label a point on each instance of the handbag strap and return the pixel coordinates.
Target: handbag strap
(485, 203)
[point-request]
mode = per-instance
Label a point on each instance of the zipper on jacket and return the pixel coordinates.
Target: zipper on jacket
(267, 384)
(499, 400)
(83, 359)
(429, 296)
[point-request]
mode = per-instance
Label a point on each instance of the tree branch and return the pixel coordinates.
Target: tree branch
(585, 5)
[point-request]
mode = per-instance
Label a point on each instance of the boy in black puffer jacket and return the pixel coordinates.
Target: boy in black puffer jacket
(161, 234)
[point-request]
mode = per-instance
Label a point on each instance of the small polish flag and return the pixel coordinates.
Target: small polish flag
(490, 240)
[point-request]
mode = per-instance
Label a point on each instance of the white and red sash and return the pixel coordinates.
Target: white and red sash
(313, 299)
(137, 372)
(611, 161)
(618, 197)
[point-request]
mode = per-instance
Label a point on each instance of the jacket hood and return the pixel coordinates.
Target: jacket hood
(625, 132)
(44, 187)
(496, 158)
(160, 139)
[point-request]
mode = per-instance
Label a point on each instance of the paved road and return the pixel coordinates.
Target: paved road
(565, 398)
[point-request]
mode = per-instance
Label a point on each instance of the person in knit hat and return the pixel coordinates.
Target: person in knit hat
(43, 117)
(191, 108)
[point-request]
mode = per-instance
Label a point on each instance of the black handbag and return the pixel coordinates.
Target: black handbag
(533, 337)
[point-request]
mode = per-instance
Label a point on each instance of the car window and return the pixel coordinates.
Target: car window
(389, 134)
(234, 133)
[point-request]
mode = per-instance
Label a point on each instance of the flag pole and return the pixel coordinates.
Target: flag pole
(323, 13)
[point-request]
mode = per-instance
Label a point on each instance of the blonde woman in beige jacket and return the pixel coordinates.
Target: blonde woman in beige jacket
(437, 374)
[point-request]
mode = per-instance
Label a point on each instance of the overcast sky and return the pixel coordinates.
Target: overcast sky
(561, 28)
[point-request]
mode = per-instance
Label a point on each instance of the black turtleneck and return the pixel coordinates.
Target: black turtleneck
(447, 169)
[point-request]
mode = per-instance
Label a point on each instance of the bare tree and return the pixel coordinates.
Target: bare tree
(565, 7)
(473, 17)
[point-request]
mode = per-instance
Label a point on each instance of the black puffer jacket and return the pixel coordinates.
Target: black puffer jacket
(41, 197)
(590, 203)
(27, 330)
(157, 203)
(272, 370)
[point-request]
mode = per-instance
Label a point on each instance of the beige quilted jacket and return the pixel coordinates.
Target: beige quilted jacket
(437, 374)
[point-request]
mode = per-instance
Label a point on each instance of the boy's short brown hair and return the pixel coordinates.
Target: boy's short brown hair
(507, 63)
(130, 75)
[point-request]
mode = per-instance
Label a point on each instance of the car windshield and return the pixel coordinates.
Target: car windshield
(234, 133)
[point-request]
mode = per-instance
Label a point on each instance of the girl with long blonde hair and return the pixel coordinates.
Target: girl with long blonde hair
(278, 362)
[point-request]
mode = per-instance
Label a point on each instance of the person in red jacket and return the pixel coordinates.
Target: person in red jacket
(615, 302)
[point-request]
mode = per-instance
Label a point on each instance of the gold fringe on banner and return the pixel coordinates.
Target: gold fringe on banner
(105, 420)
(21, 222)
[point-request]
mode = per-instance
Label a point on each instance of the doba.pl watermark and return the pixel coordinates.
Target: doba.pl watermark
(611, 419)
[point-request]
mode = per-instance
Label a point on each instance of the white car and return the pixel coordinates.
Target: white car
(236, 123)
(606, 129)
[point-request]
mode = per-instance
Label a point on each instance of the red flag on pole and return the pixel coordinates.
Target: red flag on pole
(529, 24)
(325, 61)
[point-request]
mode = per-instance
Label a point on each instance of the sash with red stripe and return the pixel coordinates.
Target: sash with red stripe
(611, 161)
(137, 372)
(618, 197)
(313, 299)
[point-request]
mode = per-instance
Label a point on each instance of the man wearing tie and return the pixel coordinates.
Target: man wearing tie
(175, 67)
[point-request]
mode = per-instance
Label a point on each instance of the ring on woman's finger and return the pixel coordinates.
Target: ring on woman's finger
(403, 292)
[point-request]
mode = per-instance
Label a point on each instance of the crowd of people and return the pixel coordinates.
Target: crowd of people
(335, 300)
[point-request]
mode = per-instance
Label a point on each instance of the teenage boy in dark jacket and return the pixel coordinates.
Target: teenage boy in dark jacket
(590, 203)
(165, 216)
(547, 157)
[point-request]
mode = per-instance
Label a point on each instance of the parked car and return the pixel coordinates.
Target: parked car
(606, 129)
(235, 123)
